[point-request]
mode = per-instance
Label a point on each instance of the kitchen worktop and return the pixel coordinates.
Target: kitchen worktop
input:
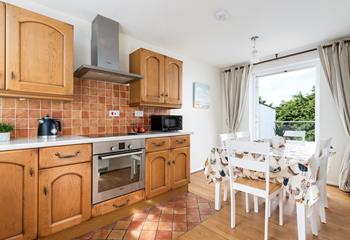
(26, 143)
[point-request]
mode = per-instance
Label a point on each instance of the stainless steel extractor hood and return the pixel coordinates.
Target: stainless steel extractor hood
(105, 54)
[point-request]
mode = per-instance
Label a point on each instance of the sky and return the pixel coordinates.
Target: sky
(278, 87)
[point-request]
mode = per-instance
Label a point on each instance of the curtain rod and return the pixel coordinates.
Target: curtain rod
(286, 56)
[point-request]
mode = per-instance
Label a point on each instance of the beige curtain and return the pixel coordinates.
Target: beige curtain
(235, 92)
(336, 65)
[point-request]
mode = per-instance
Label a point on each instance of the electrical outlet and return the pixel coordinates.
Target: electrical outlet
(114, 113)
(138, 113)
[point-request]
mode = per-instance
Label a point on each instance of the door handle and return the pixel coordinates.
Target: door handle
(13, 76)
(59, 155)
(173, 161)
(31, 172)
(121, 205)
(169, 163)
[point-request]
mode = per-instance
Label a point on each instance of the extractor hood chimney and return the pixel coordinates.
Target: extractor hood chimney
(105, 54)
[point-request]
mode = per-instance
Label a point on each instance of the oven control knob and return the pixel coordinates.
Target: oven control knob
(114, 148)
(130, 146)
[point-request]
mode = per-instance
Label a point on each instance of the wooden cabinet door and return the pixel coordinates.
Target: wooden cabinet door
(64, 197)
(152, 69)
(18, 194)
(173, 81)
(2, 45)
(180, 166)
(157, 173)
(39, 53)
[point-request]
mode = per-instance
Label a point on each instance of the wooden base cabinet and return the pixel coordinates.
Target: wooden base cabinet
(18, 194)
(167, 169)
(180, 167)
(64, 197)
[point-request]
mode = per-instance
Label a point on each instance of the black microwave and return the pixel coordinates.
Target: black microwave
(166, 123)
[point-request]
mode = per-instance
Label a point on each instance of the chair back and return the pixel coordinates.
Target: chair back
(241, 155)
(225, 137)
(321, 155)
(295, 135)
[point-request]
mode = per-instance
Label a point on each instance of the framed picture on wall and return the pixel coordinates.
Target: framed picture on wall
(200, 95)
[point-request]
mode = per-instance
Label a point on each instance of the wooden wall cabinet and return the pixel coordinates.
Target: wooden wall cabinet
(161, 85)
(167, 169)
(18, 194)
(38, 55)
(2, 45)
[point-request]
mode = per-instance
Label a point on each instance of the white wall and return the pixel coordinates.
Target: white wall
(205, 124)
(329, 124)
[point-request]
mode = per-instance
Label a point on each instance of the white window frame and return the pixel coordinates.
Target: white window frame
(277, 68)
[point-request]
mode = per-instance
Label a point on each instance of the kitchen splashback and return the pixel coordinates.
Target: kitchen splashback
(86, 114)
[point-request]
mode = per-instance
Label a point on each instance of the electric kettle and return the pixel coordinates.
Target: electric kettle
(48, 127)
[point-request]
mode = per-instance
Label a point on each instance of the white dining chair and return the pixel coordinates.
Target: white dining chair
(225, 139)
(296, 136)
(322, 156)
(263, 189)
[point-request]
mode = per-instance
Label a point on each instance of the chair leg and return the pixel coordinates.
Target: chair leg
(325, 198)
(314, 219)
(217, 196)
(280, 205)
(269, 209)
(256, 204)
(301, 221)
(225, 190)
(322, 212)
(267, 203)
(247, 202)
(233, 208)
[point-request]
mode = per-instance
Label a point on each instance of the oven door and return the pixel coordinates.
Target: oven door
(117, 174)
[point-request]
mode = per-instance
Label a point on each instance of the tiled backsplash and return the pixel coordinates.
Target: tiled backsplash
(86, 114)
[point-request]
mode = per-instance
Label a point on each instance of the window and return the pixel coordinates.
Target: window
(285, 99)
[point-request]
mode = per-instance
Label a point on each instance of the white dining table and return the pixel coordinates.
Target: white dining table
(297, 153)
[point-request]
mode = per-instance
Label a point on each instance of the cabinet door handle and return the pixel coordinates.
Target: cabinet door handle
(31, 172)
(121, 205)
(180, 141)
(169, 163)
(158, 144)
(59, 155)
(46, 191)
(13, 76)
(162, 95)
(173, 161)
(166, 95)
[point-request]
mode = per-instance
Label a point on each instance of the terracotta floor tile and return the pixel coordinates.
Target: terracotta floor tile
(168, 210)
(192, 211)
(180, 218)
(165, 226)
(202, 200)
(150, 226)
(204, 217)
(203, 205)
(179, 210)
(116, 234)
(163, 235)
(139, 216)
(147, 235)
(128, 218)
(122, 225)
(181, 204)
(191, 225)
(155, 210)
(176, 234)
(192, 205)
(132, 235)
(166, 217)
(101, 234)
(136, 225)
(180, 226)
(86, 236)
(193, 218)
(153, 217)
(206, 211)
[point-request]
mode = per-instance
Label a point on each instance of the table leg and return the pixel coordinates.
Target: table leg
(217, 196)
(301, 221)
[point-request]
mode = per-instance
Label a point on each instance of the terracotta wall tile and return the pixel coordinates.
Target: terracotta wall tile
(86, 114)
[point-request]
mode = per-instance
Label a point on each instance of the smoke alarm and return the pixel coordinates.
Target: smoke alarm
(222, 15)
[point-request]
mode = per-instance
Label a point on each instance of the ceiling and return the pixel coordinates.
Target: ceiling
(189, 27)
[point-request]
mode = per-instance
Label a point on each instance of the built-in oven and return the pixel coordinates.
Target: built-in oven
(118, 168)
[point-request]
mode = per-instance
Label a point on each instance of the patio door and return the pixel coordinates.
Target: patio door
(284, 99)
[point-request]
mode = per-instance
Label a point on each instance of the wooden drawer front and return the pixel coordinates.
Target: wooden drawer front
(117, 203)
(157, 144)
(64, 155)
(180, 141)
